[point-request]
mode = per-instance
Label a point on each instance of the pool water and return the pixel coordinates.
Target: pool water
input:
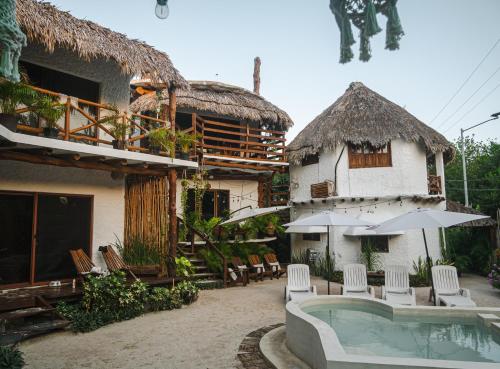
(371, 332)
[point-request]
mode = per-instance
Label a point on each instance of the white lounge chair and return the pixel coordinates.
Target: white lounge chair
(448, 291)
(397, 288)
(355, 283)
(299, 283)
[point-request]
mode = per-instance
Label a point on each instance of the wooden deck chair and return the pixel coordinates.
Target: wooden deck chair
(83, 263)
(397, 288)
(448, 291)
(273, 263)
(259, 267)
(244, 269)
(114, 261)
(298, 286)
(355, 281)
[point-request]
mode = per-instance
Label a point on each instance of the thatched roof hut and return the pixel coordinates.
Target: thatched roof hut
(361, 115)
(459, 208)
(43, 23)
(220, 99)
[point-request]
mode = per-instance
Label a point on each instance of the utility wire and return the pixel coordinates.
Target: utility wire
(470, 97)
(466, 80)
(474, 107)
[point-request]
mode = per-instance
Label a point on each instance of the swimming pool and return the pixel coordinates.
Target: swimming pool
(348, 332)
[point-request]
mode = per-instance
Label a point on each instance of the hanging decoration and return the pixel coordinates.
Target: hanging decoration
(363, 15)
(161, 10)
(12, 39)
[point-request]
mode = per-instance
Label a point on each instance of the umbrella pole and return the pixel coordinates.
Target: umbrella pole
(429, 266)
(328, 256)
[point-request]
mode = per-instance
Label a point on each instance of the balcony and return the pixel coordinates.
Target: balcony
(84, 140)
(434, 184)
(239, 146)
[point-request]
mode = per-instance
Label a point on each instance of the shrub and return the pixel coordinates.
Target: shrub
(494, 276)
(209, 285)
(162, 298)
(11, 358)
(188, 292)
(138, 251)
(370, 257)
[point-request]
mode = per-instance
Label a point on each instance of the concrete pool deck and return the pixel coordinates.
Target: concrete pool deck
(206, 334)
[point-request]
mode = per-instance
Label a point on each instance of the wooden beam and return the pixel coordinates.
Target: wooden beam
(93, 158)
(172, 182)
(241, 166)
(67, 156)
(49, 160)
(121, 162)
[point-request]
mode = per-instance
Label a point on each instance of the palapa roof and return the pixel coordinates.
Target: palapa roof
(220, 99)
(45, 24)
(361, 115)
(459, 208)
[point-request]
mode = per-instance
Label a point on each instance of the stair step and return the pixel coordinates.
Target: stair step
(203, 275)
(188, 254)
(199, 267)
(24, 313)
(196, 260)
(14, 336)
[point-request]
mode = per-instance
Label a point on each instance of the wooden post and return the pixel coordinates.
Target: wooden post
(195, 133)
(256, 76)
(172, 182)
(67, 117)
(260, 192)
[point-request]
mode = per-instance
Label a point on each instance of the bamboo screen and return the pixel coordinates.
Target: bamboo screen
(146, 210)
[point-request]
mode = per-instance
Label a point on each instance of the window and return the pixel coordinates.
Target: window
(368, 156)
(311, 237)
(378, 243)
(215, 203)
(310, 159)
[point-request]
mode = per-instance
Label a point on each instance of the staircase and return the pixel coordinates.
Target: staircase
(28, 318)
(202, 274)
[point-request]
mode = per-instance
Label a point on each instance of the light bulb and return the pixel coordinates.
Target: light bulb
(161, 9)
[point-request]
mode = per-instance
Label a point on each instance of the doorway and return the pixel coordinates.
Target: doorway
(38, 230)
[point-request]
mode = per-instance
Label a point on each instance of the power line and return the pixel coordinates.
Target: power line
(470, 97)
(474, 107)
(466, 80)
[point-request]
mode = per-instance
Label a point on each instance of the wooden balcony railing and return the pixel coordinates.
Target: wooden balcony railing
(228, 140)
(85, 121)
(434, 184)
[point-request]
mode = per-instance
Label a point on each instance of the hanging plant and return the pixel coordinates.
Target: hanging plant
(200, 185)
(184, 206)
(363, 14)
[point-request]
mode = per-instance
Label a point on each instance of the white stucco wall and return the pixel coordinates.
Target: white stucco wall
(406, 177)
(109, 204)
(114, 85)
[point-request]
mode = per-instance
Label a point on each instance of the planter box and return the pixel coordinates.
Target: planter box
(145, 269)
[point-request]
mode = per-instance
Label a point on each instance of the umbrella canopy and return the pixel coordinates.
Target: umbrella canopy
(306, 229)
(365, 231)
(251, 213)
(424, 218)
(329, 218)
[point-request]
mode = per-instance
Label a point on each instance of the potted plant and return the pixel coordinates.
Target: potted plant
(11, 96)
(119, 129)
(161, 139)
(185, 142)
(50, 111)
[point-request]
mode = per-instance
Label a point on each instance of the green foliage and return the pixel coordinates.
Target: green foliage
(118, 127)
(188, 292)
(14, 94)
(469, 249)
(138, 251)
(183, 267)
(265, 225)
(209, 285)
(207, 227)
(183, 231)
(370, 257)
(164, 139)
(162, 298)
(49, 109)
(185, 141)
(318, 267)
(415, 281)
(11, 358)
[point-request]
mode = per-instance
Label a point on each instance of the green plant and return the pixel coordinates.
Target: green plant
(47, 108)
(370, 257)
(164, 139)
(183, 267)
(138, 251)
(185, 141)
(188, 291)
(161, 298)
(117, 126)
(11, 358)
(200, 185)
(207, 227)
(14, 94)
(420, 268)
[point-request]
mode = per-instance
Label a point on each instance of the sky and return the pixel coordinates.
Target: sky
(298, 42)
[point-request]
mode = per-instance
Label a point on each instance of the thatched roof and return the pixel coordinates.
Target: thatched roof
(220, 99)
(361, 115)
(459, 208)
(45, 24)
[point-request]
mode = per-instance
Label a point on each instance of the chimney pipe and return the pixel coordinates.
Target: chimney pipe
(256, 76)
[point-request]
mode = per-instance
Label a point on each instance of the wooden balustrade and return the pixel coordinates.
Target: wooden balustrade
(434, 184)
(85, 121)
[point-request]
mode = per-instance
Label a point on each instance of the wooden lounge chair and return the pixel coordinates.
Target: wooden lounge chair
(83, 264)
(299, 283)
(355, 281)
(239, 265)
(258, 265)
(237, 275)
(448, 291)
(273, 263)
(114, 261)
(397, 288)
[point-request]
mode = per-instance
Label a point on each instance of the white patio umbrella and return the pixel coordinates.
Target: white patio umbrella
(248, 213)
(422, 219)
(329, 219)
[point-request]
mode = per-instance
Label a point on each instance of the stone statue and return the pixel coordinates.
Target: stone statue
(12, 39)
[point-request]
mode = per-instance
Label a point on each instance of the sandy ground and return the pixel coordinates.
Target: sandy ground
(204, 335)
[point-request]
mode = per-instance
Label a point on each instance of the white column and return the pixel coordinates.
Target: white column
(440, 170)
